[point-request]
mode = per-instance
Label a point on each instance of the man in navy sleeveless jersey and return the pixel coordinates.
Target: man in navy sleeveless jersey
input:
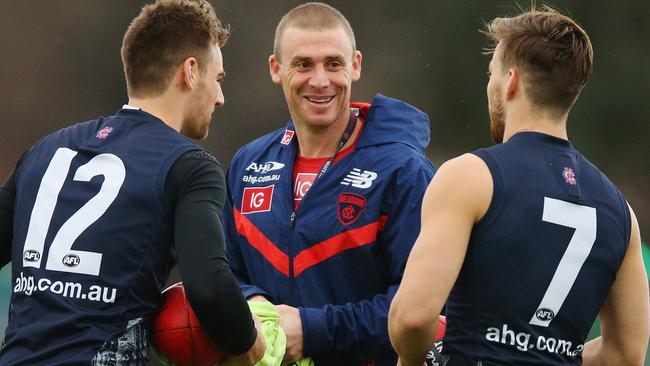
(527, 242)
(94, 215)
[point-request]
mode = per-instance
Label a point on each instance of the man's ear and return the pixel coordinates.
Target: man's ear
(274, 69)
(513, 84)
(356, 65)
(190, 73)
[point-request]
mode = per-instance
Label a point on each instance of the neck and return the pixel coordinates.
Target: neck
(535, 121)
(317, 142)
(164, 107)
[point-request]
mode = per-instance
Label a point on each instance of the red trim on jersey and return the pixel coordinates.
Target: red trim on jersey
(259, 241)
(382, 222)
(309, 257)
(326, 249)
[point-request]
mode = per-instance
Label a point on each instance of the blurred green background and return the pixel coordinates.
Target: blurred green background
(60, 63)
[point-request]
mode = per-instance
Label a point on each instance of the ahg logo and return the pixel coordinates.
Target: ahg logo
(264, 167)
(257, 199)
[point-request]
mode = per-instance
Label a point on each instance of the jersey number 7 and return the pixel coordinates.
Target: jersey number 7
(583, 219)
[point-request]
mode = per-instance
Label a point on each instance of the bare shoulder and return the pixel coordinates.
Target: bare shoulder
(465, 180)
(466, 164)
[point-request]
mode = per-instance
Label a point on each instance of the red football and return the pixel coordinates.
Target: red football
(177, 334)
(442, 326)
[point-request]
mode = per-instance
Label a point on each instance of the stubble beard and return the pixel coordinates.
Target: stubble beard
(196, 125)
(497, 117)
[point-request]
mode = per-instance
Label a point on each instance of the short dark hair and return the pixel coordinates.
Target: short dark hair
(552, 50)
(162, 36)
(313, 16)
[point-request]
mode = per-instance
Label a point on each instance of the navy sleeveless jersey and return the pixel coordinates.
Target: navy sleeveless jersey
(92, 245)
(541, 261)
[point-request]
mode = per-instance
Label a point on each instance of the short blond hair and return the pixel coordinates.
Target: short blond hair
(313, 16)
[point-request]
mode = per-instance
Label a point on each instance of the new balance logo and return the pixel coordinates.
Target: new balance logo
(358, 179)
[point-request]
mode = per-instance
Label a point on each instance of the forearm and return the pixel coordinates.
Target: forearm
(221, 309)
(599, 353)
(211, 286)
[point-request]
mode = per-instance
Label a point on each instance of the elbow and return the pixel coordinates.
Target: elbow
(630, 354)
(410, 324)
(634, 357)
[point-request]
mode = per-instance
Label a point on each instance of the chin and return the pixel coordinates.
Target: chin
(195, 132)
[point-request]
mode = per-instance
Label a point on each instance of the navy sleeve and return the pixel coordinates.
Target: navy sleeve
(361, 328)
(7, 197)
(195, 186)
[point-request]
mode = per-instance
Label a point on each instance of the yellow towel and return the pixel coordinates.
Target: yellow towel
(276, 341)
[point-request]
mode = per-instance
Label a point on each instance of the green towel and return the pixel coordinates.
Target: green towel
(276, 341)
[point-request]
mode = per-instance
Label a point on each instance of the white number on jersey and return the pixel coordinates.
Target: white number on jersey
(583, 219)
(61, 257)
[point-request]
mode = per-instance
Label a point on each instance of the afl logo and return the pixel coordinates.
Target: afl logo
(545, 314)
(31, 255)
(71, 260)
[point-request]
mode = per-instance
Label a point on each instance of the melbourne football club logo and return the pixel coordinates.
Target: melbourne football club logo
(569, 176)
(286, 139)
(257, 199)
(349, 207)
(104, 132)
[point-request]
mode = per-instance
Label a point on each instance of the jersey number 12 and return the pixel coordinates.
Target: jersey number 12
(60, 256)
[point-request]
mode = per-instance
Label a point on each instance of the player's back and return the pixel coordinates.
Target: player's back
(540, 263)
(92, 238)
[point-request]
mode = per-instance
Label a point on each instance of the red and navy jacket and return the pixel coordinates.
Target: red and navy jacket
(340, 258)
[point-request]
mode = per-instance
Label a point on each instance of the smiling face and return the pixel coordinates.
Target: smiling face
(316, 71)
